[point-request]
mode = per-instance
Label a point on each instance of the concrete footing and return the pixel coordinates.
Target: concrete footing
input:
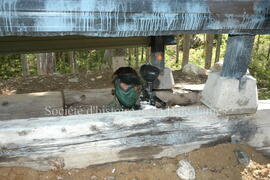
(230, 95)
(166, 80)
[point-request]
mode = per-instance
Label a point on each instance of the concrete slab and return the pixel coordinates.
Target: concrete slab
(230, 95)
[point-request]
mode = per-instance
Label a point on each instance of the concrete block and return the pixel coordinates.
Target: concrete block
(229, 95)
(166, 80)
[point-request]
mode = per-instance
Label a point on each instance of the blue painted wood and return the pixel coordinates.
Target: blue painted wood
(125, 18)
(237, 56)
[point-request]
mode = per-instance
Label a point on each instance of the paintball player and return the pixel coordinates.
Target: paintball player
(127, 90)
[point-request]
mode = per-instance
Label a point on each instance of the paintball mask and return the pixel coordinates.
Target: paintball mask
(129, 95)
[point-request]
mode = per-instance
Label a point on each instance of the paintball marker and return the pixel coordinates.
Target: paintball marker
(150, 74)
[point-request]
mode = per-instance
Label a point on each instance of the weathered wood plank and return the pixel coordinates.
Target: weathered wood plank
(58, 43)
(94, 97)
(80, 141)
(179, 97)
(237, 56)
(71, 102)
(21, 106)
(121, 18)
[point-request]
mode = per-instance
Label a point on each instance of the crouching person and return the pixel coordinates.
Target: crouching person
(127, 90)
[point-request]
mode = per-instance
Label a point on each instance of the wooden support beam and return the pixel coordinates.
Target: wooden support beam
(237, 56)
(71, 102)
(158, 52)
(30, 105)
(133, 18)
(80, 141)
(61, 43)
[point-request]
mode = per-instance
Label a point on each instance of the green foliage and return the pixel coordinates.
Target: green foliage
(10, 66)
(93, 60)
(260, 66)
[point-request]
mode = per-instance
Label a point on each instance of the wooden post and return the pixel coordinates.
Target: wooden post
(237, 56)
(158, 52)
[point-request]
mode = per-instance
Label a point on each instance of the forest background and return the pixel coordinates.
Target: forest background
(200, 49)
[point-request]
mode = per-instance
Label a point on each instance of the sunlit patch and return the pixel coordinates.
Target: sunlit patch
(256, 171)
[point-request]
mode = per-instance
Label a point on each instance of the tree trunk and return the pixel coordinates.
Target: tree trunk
(118, 58)
(219, 41)
(25, 66)
(268, 54)
(208, 50)
(108, 57)
(142, 54)
(72, 61)
(186, 47)
(268, 58)
(177, 49)
(45, 63)
(257, 44)
(129, 56)
(136, 57)
(148, 52)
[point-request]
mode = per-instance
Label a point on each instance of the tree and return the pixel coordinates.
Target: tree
(118, 58)
(46, 63)
(108, 57)
(129, 56)
(142, 53)
(219, 41)
(208, 50)
(72, 61)
(148, 52)
(186, 47)
(25, 66)
(268, 54)
(177, 48)
(257, 44)
(136, 57)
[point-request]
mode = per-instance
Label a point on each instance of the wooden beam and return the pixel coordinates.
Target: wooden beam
(237, 56)
(58, 43)
(158, 52)
(71, 102)
(116, 18)
(80, 141)
(30, 105)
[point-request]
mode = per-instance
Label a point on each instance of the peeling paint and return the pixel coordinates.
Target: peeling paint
(121, 18)
(237, 56)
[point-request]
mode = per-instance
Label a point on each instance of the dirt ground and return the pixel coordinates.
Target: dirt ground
(213, 163)
(81, 81)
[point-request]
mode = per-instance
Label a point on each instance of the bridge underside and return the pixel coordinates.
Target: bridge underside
(63, 19)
